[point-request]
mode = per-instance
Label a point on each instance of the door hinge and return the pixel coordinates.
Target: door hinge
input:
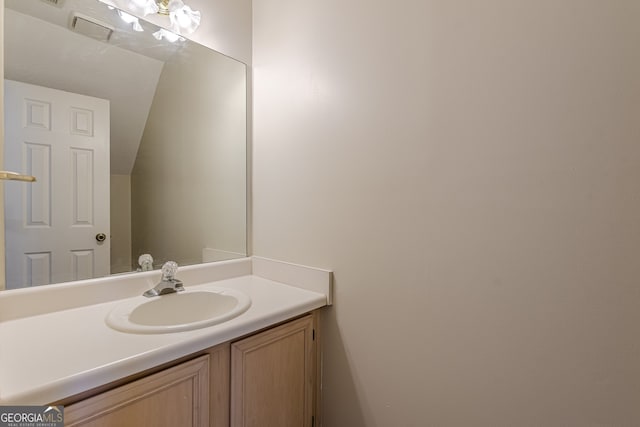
(313, 334)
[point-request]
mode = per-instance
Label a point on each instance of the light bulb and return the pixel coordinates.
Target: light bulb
(183, 18)
(130, 19)
(167, 35)
(140, 7)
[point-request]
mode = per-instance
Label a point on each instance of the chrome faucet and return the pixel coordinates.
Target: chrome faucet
(168, 283)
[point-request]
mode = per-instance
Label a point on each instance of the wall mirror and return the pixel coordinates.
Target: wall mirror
(138, 145)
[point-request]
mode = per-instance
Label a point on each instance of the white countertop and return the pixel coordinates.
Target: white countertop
(49, 356)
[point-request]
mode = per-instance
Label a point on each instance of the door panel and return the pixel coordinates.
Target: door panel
(273, 377)
(82, 187)
(38, 268)
(38, 199)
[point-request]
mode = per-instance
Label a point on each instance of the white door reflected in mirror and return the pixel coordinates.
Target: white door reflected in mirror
(51, 225)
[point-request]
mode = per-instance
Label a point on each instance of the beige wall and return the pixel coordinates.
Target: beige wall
(470, 171)
(121, 224)
(189, 181)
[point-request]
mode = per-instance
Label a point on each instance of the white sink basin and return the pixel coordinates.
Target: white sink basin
(182, 311)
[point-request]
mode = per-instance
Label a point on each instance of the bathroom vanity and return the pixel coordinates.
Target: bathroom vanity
(259, 368)
(266, 379)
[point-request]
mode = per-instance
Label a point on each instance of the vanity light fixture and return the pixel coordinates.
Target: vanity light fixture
(182, 18)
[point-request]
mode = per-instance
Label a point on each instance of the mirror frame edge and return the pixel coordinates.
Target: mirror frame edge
(2, 266)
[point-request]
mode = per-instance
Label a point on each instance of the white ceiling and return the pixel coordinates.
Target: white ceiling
(40, 49)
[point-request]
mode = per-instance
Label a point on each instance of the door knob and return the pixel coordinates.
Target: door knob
(101, 237)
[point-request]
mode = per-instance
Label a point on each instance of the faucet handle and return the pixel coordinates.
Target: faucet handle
(169, 270)
(145, 261)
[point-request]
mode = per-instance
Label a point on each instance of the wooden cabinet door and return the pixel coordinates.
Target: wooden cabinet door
(175, 397)
(273, 377)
